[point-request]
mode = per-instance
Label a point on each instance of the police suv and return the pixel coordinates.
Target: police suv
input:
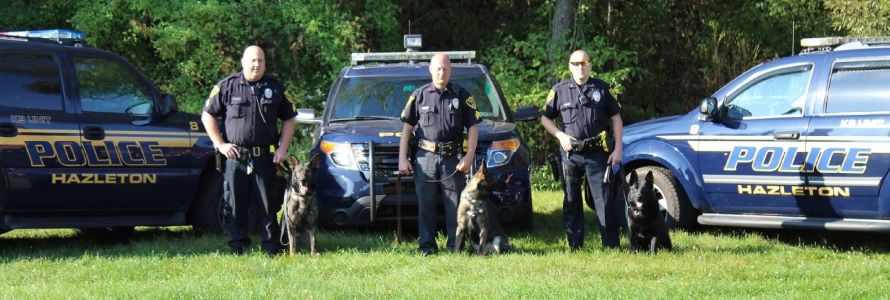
(359, 131)
(86, 141)
(798, 142)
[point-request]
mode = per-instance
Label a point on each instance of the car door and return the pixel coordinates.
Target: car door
(751, 158)
(129, 151)
(39, 138)
(852, 134)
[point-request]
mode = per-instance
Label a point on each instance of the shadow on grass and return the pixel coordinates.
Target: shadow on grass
(141, 243)
(865, 242)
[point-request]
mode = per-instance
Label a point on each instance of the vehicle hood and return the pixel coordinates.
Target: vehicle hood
(388, 131)
(670, 125)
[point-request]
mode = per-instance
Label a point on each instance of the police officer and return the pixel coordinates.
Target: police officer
(251, 104)
(443, 111)
(586, 108)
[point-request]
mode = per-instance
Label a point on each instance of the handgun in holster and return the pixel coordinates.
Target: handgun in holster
(220, 161)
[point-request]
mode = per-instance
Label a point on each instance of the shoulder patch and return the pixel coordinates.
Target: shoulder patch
(214, 92)
(551, 95)
(405, 110)
(471, 102)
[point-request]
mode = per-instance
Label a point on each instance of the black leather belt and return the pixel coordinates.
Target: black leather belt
(247, 152)
(441, 148)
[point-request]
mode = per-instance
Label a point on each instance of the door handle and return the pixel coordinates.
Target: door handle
(8, 130)
(93, 133)
(787, 135)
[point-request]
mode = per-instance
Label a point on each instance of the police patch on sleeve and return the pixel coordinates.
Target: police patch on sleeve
(405, 110)
(551, 95)
(471, 102)
(214, 91)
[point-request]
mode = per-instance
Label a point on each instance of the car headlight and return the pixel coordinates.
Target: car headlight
(341, 155)
(500, 152)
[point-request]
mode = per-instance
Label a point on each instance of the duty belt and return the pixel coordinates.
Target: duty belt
(591, 144)
(441, 148)
(248, 152)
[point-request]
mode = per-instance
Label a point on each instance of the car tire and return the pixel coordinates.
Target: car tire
(207, 214)
(679, 213)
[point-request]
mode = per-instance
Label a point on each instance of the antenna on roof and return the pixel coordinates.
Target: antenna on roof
(793, 40)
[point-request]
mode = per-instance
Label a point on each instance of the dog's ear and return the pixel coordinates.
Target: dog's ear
(633, 178)
(481, 171)
(649, 181)
(315, 161)
(292, 161)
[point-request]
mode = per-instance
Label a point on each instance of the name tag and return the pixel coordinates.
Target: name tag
(424, 108)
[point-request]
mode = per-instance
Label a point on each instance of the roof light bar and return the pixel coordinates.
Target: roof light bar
(359, 58)
(834, 41)
(63, 36)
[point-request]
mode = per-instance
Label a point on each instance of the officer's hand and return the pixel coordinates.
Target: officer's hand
(565, 141)
(280, 155)
(464, 164)
(405, 167)
(229, 150)
(615, 157)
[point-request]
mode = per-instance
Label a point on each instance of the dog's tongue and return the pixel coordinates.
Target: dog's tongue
(639, 204)
(303, 190)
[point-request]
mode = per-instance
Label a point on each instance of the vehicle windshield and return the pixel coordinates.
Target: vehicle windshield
(386, 96)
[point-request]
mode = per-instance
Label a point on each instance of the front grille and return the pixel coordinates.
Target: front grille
(386, 159)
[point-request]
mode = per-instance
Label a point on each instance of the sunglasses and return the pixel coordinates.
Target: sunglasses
(579, 63)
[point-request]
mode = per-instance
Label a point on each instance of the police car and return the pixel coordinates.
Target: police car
(358, 137)
(86, 141)
(798, 142)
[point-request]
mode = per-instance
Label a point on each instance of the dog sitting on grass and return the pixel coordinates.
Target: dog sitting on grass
(476, 216)
(301, 205)
(647, 226)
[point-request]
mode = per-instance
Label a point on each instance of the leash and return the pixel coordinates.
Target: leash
(399, 208)
(285, 218)
(443, 179)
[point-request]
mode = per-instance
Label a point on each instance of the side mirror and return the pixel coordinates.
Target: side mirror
(307, 116)
(709, 107)
(168, 105)
(526, 112)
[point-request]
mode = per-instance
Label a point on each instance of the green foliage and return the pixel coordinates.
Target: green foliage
(860, 18)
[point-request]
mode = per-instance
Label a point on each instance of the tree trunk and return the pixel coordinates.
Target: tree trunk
(561, 28)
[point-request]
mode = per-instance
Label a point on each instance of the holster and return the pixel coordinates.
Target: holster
(555, 164)
(220, 161)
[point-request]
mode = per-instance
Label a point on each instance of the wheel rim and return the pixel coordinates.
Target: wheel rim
(662, 201)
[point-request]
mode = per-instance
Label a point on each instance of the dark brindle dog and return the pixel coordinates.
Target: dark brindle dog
(300, 205)
(647, 226)
(476, 216)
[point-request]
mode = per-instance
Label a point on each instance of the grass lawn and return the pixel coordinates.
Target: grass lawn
(164, 263)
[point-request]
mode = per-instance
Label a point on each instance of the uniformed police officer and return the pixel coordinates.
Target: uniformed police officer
(443, 111)
(586, 108)
(251, 104)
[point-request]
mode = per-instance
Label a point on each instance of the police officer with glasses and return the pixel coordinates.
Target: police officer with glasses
(251, 103)
(587, 109)
(443, 111)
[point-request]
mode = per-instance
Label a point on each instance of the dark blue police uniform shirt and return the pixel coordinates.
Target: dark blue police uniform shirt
(443, 114)
(232, 98)
(582, 120)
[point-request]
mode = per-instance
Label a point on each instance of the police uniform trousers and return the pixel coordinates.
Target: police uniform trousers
(432, 166)
(593, 164)
(255, 190)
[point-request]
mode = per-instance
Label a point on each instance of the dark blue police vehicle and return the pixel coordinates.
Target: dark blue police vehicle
(798, 142)
(86, 141)
(358, 138)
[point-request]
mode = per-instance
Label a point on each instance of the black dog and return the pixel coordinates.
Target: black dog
(476, 215)
(301, 206)
(647, 227)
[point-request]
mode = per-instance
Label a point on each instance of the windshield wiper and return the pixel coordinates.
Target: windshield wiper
(361, 118)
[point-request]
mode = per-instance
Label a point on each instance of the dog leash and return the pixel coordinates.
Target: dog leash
(399, 208)
(443, 179)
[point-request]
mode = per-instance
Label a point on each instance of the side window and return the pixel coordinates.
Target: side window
(30, 81)
(109, 87)
(780, 93)
(859, 87)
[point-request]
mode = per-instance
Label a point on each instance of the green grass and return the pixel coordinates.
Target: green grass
(716, 263)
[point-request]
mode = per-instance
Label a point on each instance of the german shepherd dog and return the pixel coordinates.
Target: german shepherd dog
(476, 215)
(647, 227)
(300, 205)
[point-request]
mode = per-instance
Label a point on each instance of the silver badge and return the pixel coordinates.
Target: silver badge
(455, 103)
(268, 93)
(596, 96)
